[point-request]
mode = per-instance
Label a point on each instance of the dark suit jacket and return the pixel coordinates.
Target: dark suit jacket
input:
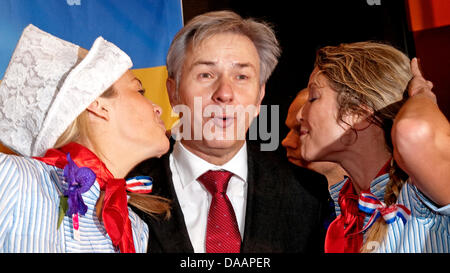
(287, 207)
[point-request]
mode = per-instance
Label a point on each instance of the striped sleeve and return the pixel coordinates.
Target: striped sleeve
(444, 210)
(9, 194)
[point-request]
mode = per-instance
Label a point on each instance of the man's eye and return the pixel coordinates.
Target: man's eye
(242, 77)
(205, 76)
(312, 99)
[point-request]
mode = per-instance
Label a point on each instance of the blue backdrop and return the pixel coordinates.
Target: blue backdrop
(142, 28)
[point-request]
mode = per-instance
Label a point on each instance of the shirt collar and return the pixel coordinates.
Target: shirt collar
(377, 187)
(190, 166)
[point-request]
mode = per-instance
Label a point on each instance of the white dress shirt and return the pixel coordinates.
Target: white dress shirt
(193, 197)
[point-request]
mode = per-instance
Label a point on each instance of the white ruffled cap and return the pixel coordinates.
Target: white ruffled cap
(46, 87)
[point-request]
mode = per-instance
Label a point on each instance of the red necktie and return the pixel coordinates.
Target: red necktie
(222, 231)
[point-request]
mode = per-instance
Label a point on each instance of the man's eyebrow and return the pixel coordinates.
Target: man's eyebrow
(211, 63)
(201, 62)
(243, 65)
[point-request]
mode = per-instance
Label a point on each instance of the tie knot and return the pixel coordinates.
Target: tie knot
(215, 181)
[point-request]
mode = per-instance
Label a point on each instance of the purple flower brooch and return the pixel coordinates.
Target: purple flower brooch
(79, 181)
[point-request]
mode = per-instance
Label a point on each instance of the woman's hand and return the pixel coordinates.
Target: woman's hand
(418, 85)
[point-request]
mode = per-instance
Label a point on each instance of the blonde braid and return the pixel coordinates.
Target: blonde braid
(376, 233)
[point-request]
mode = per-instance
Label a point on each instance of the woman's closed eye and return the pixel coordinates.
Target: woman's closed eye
(313, 95)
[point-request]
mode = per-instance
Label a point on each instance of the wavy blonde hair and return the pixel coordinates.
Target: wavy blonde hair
(370, 79)
(151, 204)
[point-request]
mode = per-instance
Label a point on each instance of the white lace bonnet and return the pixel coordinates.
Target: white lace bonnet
(48, 84)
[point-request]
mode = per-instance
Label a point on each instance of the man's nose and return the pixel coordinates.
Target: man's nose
(224, 91)
(299, 116)
(291, 140)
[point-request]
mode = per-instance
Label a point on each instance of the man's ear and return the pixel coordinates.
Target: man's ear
(99, 108)
(262, 93)
(171, 86)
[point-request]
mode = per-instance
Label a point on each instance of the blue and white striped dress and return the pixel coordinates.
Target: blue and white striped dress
(426, 231)
(30, 191)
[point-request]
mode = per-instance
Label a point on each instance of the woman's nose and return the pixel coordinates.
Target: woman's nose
(157, 109)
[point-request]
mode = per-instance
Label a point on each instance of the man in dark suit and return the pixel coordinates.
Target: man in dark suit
(228, 195)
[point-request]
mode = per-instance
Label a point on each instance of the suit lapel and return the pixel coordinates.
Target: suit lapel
(171, 234)
(246, 241)
(263, 200)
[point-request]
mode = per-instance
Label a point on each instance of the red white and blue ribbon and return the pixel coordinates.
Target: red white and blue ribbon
(370, 204)
(140, 184)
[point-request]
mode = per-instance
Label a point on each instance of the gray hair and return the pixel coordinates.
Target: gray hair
(206, 25)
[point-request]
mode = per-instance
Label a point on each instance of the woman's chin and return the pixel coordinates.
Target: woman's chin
(156, 150)
(164, 147)
(307, 156)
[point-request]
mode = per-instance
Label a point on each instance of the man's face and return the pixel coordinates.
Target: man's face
(220, 73)
(292, 140)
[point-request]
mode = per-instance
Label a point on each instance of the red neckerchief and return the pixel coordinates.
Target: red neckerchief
(343, 234)
(115, 208)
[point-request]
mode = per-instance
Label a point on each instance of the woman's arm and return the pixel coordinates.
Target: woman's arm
(9, 192)
(421, 138)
